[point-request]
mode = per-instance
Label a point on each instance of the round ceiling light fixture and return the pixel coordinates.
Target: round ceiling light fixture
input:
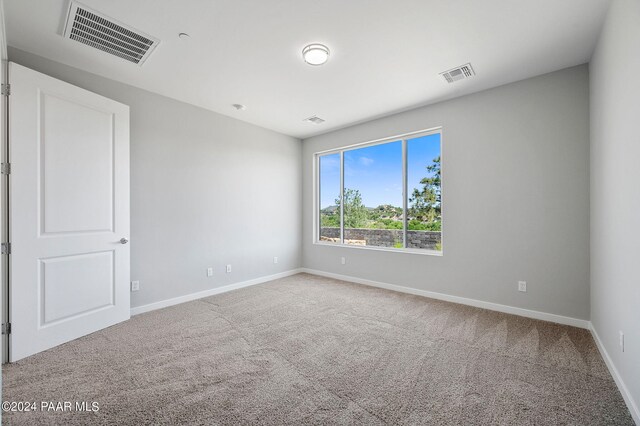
(315, 54)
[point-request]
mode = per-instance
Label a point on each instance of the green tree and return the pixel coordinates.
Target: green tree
(329, 220)
(416, 225)
(355, 213)
(426, 202)
(387, 224)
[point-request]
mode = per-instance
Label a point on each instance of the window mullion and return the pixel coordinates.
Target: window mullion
(405, 196)
(318, 205)
(341, 197)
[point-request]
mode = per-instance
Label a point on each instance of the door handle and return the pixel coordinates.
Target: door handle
(123, 240)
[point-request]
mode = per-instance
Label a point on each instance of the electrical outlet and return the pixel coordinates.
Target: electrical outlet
(135, 285)
(343, 260)
(275, 260)
(228, 268)
(522, 286)
(621, 341)
(209, 272)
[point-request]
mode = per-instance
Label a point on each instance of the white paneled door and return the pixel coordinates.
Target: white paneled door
(69, 212)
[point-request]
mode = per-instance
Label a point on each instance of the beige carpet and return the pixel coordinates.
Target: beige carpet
(311, 350)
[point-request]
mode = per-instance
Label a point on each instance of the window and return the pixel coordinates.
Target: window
(329, 190)
(385, 194)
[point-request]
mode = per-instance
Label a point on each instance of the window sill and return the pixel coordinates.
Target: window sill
(422, 252)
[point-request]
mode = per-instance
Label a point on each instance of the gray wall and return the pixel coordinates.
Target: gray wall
(515, 197)
(206, 190)
(615, 190)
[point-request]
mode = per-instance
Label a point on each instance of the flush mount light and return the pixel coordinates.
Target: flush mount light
(315, 54)
(239, 107)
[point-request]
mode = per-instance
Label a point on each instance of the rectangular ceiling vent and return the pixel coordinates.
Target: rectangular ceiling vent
(315, 120)
(458, 73)
(96, 30)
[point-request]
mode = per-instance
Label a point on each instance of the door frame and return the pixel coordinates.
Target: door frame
(4, 188)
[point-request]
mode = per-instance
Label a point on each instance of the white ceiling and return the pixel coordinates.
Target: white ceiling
(385, 54)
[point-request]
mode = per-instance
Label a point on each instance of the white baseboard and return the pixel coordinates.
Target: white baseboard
(631, 404)
(575, 322)
(199, 295)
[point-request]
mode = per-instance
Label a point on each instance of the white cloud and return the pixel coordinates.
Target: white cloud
(330, 164)
(365, 161)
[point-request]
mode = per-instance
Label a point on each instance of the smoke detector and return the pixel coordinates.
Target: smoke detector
(315, 120)
(94, 29)
(458, 73)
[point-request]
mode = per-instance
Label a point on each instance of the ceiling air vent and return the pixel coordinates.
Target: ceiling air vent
(315, 120)
(458, 73)
(96, 30)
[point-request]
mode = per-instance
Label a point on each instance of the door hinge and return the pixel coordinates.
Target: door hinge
(6, 89)
(6, 168)
(6, 328)
(6, 248)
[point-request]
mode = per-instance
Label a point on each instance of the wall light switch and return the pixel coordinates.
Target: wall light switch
(275, 260)
(522, 286)
(343, 260)
(135, 285)
(209, 272)
(228, 268)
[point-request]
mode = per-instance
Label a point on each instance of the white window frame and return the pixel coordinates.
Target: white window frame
(316, 193)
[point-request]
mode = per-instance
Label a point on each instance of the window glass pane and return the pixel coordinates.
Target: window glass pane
(373, 196)
(424, 191)
(329, 198)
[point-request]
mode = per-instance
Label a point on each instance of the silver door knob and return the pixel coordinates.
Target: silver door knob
(123, 240)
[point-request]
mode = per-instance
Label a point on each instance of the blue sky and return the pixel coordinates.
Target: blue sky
(377, 171)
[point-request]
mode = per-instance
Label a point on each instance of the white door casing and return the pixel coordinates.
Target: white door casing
(69, 210)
